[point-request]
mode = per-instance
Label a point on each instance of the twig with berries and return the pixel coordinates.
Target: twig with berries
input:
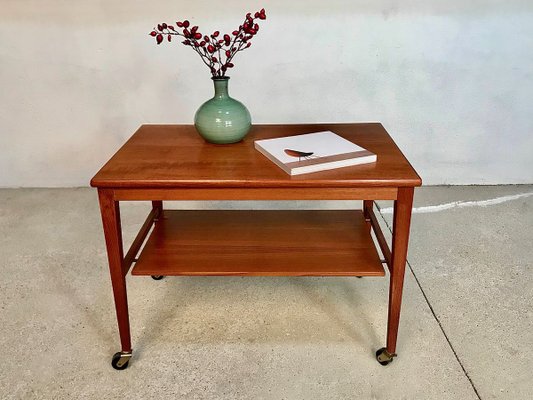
(225, 46)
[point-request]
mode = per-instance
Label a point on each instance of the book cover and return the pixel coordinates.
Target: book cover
(312, 152)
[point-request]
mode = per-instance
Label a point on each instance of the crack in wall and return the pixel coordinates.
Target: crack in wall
(461, 204)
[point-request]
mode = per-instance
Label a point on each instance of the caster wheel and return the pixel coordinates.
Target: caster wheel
(120, 360)
(384, 357)
(157, 277)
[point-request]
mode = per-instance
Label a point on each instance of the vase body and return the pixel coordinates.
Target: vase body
(222, 119)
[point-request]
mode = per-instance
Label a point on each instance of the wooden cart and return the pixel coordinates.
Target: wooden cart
(171, 162)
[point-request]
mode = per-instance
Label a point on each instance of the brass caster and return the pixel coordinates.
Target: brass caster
(384, 357)
(121, 360)
(157, 277)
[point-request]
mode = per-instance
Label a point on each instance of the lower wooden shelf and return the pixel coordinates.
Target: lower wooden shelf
(260, 243)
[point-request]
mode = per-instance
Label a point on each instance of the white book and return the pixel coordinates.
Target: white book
(312, 152)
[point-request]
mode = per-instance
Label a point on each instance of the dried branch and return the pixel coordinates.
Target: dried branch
(206, 46)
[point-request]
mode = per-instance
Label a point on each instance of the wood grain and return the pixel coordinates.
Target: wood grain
(113, 237)
(163, 156)
(400, 240)
(383, 193)
(260, 243)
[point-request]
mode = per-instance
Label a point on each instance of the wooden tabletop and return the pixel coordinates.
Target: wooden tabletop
(165, 156)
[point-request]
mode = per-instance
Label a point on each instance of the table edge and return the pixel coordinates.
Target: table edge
(164, 184)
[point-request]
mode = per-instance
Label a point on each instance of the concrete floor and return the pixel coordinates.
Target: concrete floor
(465, 332)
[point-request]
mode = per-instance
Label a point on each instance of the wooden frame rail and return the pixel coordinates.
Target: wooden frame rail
(139, 239)
(370, 216)
(226, 193)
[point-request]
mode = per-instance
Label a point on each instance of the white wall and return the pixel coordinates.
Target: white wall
(451, 80)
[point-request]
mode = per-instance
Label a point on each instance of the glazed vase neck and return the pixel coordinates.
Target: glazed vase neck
(221, 87)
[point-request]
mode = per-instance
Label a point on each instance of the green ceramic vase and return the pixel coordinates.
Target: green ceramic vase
(222, 119)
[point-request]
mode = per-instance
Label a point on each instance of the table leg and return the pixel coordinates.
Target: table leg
(367, 209)
(400, 240)
(368, 206)
(157, 205)
(110, 211)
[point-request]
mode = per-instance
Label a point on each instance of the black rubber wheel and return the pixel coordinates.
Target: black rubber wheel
(383, 357)
(116, 359)
(157, 277)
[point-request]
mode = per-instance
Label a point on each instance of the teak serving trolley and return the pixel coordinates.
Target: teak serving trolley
(171, 162)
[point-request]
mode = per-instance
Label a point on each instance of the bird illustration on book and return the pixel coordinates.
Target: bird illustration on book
(300, 154)
(313, 152)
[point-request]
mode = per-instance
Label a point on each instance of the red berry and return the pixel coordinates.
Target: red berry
(164, 25)
(180, 24)
(197, 35)
(214, 59)
(196, 44)
(186, 33)
(169, 37)
(216, 33)
(186, 24)
(248, 44)
(159, 38)
(227, 38)
(206, 38)
(229, 65)
(171, 28)
(228, 53)
(202, 43)
(252, 31)
(224, 68)
(194, 28)
(256, 15)
(153, 33)
(235, 33)
(210, 49)
(159, 27)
